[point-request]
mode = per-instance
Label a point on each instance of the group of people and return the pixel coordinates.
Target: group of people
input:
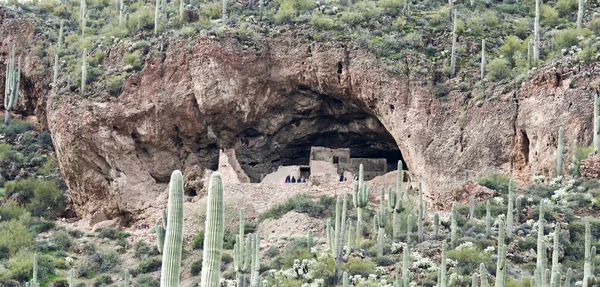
(294, 180)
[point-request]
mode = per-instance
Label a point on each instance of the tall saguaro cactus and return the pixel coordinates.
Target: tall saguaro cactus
(83, 71)
(580, 14)
(360, 195)
(536, 32)
(453, 225)
(443, 278)
(488, 219)
(11, 86)
(589, 254)
(555, 278)
(541, 248)
(82, 13)
(381, 223)
(560, 152)
(242, 254)
(156, 16)
(224, 9)
(509, 211)
(171, 262)
(483, 67)
(453, 56)
(421, 215)
(596, 123)
(213, 233)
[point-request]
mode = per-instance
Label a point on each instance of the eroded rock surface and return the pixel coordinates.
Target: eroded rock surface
(116, 154)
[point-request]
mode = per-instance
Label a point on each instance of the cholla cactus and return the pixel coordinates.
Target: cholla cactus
(214, 231)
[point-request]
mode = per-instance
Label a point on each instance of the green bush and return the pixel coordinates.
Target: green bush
(581, 153)
(198, 241)
(61, 239)
(49, 200)
(594, 25)
(566, 7)
(362, 267)
(565, 39)
(548, 16)
(512, 45)
(108, 259)
(103, 280)
(142, 250)
(301, 203)
(15, 235)
(134, 60)
(286, 13)
(498, 69)
(226, 258)
(149, 265)
(21, 266)
(468, 258)
(109, 233)
(196, 267)
(114, 85)
(211, 10)
(146, 280)
(322, 22)
(496, 181)
(11, 210)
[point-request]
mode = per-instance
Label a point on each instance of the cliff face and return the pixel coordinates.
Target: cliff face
(271, 104)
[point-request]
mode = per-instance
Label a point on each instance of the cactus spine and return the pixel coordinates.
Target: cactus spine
(488, 219)
(174, 233)
(11, 86)
(580, 14)
(453, 225)
(509, 211)
(381, 223)
(536, 32)
(214, 231)
(560, 152)
(483, 67)
(453, 56)
(360, 196)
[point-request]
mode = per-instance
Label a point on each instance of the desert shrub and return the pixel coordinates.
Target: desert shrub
(565, 39)
(293, 252)
(226, 258)
(198, 241)
(594, 25)
(548, 15)
(301, 203)
(491, 20)
(109, 233)
(108, 259)
(228, 241)
(496, 181)
(48, 199)
(286, 13)
(392, 7)
(440, 90)
(211, 10)
(11, 210)
(362, 267)
(521, 28)
(103, 280)
(15, 235)
(352, 18)
(61, 239)
(272, 252)
(512, 45)
(149, 265)
(87, 268)
(468, 257)
(587, 55)
(134, 60)
(566, 7)
(142, 250)
(581, 153)
(61, 282)
(196, 267)
(146, 280)
(114, 85)
(24, 188)
(21, 266)
(322, 22)
(15, 128)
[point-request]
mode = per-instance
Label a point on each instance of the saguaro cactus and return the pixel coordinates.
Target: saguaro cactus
(453, 225)
(518, 205)
(483, 67)
(453, 56)
(224, 8)
(555, 279)
(436, 224)
(83, 71)
(71, 282)
(395, 207)
(156, 16)
(335, 233)
(406, 274)
(488, 219)
(536, 32)
(11, 86)
(596, 123)
(82, 13)
(360, 195)
(242, 253)
(589, 253)
(174, 233)
(501, 261)
(309, 241)
(509, 211)
(580, 14)
(560, 152)
(420, 215)
(443, 278)
(213, 233)
(381, 223)
(409, 226)
(541, 249)
(483, 275)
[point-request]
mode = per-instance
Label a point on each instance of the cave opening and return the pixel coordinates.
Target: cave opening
(303, 119)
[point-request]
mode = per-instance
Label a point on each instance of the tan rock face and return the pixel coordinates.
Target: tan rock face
(116, 155)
